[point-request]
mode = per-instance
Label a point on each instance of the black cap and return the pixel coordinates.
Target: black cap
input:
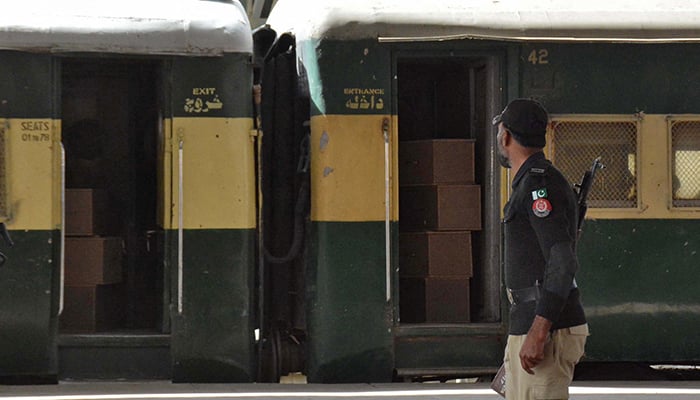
(527, 120)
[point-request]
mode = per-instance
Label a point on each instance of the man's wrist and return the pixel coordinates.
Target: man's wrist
(540, 328)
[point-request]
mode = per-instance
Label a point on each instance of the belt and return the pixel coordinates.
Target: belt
(525, 295)
(532, 293)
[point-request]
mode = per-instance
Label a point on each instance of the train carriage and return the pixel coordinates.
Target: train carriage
(157, 234)
(402, 263)
(128, 188)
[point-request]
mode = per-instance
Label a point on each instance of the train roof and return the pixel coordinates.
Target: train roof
(190, 27)
(646, 21)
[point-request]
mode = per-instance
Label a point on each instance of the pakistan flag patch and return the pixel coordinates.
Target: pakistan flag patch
(539, 194)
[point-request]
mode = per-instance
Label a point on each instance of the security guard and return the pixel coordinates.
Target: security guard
(548, 329)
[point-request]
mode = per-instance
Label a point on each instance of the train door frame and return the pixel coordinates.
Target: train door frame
(138, 120)
(489, 172)
(140, 328)
(462, 337)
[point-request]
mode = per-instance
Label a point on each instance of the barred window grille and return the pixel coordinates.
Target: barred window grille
(576, 143)
(685, 163)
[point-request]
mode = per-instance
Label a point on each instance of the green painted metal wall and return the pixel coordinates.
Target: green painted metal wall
(336, 68)
(228, 78)
(612, 78)
(29, 305)
(24, 77)
(639, 281)
(212, 340)
(349, 320)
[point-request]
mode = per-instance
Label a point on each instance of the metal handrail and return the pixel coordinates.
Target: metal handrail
(387, 207)
(61, 288)
(180, 232)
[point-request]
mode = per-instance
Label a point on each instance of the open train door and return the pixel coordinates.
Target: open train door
(112, 323)
(450, 313)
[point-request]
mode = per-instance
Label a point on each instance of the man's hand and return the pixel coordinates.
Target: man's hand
(532, 352)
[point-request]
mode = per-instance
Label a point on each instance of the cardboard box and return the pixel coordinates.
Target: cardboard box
(92, 308)
(432, 254)
(88, 213)
(440, 207)
(434, 300)
(93, 260)
(436, 161)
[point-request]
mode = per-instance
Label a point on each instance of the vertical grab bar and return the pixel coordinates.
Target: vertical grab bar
(180, 238)
(387, 208)
(62, 279)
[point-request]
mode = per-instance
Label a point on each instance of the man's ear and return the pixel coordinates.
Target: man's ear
(507, 137)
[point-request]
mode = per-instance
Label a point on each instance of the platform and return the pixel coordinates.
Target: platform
(157, 390)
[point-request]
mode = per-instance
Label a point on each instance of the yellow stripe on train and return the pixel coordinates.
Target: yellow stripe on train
(29, 184)
(348, 168)
(218, 174)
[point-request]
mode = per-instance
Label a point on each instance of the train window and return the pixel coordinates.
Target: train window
(685, 162)
(3, 173)
(576, 141)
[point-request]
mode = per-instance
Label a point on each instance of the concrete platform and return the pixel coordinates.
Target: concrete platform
(157, 390)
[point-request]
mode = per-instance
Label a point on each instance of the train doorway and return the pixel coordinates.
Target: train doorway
(114, 280)
(448, 196)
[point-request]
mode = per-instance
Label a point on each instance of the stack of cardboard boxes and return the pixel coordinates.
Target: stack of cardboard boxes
(439, 207)
(93, 263)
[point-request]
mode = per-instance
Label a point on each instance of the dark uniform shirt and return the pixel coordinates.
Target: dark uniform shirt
(540, 227)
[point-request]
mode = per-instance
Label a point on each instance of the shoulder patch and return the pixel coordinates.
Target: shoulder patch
(539, 194)
(541, 207)
(537, 171)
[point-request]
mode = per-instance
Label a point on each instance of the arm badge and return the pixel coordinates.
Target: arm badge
(541, 207)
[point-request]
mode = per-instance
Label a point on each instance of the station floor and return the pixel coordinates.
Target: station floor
(164, 390)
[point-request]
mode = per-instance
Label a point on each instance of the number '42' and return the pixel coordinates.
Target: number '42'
(538, 56)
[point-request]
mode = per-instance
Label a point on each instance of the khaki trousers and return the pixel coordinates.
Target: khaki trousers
(554, 375)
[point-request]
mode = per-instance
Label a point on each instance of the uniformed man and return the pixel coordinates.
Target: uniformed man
(548, 329)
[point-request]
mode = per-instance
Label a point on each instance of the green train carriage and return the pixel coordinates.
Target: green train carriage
(620, 81)
(128, 187)
(156, 118)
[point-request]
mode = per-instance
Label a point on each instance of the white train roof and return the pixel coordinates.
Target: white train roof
(126, 26)
(545, 20)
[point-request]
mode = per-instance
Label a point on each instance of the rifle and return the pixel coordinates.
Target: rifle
(584, 189)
